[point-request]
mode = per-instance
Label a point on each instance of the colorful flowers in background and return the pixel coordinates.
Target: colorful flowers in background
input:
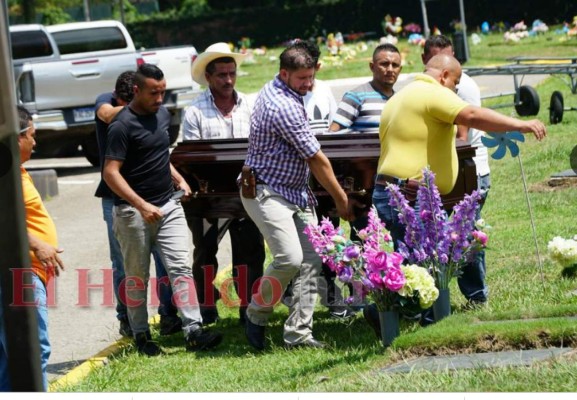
(373, 264)
(538, 27)
(392, 25)
(563, 251)
(516, 33)
(417, 39)
(432, 239)
(412, 28)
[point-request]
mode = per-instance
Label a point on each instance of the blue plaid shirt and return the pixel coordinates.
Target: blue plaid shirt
(280, 141)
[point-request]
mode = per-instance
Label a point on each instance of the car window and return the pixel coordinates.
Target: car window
(30, 44)
(90, 39)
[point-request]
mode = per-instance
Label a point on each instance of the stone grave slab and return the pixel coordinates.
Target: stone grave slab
(567, 178)
(476, 360)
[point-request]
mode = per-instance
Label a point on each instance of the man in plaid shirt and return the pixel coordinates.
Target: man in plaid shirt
(282, 152)
(221, 112)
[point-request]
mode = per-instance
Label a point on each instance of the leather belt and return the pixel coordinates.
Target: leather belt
(383, 179)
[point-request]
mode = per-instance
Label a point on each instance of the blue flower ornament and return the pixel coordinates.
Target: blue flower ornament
(503, 141)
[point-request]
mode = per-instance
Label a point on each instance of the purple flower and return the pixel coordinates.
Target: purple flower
(346, 275)
(351, 253)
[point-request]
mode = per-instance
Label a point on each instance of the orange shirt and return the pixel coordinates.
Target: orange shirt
(38, 222)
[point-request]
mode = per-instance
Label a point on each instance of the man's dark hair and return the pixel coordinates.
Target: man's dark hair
(24, 118)
(147, 71)
(211, 66)
(385, 47)
(124, 88)
(311, 47)
(296, 57)
(438, 42)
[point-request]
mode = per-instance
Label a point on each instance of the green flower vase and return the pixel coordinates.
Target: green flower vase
(442, 306)
(389, 326)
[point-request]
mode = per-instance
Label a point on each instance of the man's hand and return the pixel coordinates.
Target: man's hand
(150, 213)
(537, 127)
(47, 254)
(344, 209)
(183, 185)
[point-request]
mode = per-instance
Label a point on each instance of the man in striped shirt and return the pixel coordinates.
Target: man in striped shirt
(360, 109)
(282, 152)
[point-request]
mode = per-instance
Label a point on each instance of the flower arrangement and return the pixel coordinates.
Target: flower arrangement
(412, 28)
(564, 251)
(373, 264)
(432, 239)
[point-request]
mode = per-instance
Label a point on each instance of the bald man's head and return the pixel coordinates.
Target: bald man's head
(445, 69)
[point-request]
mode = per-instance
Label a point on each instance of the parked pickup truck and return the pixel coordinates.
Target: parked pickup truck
(61, 69)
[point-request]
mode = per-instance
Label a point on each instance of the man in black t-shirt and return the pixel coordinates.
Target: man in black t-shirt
(147, 213)
(106, 107)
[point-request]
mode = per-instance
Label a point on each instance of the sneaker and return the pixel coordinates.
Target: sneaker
(201, 339)
(341, 312)
(310, 342)
(170, 324)
(146, 346)
(254, 334)
(125, 329)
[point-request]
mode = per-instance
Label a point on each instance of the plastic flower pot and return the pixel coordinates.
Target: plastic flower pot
(442, 306)
(389, 326)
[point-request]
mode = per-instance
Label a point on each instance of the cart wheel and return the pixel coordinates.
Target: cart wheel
(527, 101)
(556, 108)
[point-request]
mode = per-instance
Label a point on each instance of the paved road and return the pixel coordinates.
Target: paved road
(79, 330)
(80, 327)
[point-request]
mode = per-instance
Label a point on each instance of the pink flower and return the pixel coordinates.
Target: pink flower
(376, 280)
(481, 237)
(378, 261)
(395, 279)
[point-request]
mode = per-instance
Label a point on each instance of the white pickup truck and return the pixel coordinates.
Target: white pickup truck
(61, 69)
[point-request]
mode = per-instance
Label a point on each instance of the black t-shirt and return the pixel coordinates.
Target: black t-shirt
(142, 143)
(101, 128)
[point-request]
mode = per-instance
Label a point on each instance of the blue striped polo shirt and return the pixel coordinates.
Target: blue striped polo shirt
(360, 109)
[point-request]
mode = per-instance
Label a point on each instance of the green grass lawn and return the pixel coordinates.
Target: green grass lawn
(528, 306)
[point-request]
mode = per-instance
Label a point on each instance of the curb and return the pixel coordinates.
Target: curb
(98, 360)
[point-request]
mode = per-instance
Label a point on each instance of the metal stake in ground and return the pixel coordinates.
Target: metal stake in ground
(504, 141)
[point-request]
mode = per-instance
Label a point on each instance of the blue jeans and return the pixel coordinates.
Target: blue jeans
(42, 319)
(388, 214)
(472, 281)
(164, 291)
(170, 236)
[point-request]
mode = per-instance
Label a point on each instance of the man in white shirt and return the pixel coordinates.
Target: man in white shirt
(221, 112)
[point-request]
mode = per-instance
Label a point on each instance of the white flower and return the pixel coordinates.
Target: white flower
(564, 251)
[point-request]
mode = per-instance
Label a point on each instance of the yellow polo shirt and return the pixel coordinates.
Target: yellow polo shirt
(417, 130)
(38, 222)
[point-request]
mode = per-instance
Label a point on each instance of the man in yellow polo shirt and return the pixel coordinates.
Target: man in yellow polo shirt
(418, 129)
(44, 251)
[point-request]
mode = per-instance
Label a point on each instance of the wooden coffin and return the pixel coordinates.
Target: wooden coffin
(211, 168)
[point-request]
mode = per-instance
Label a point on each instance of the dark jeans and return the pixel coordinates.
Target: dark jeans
(248, 254)
(472, 281)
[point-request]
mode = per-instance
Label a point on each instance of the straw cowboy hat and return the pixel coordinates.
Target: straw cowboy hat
(211, 53)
